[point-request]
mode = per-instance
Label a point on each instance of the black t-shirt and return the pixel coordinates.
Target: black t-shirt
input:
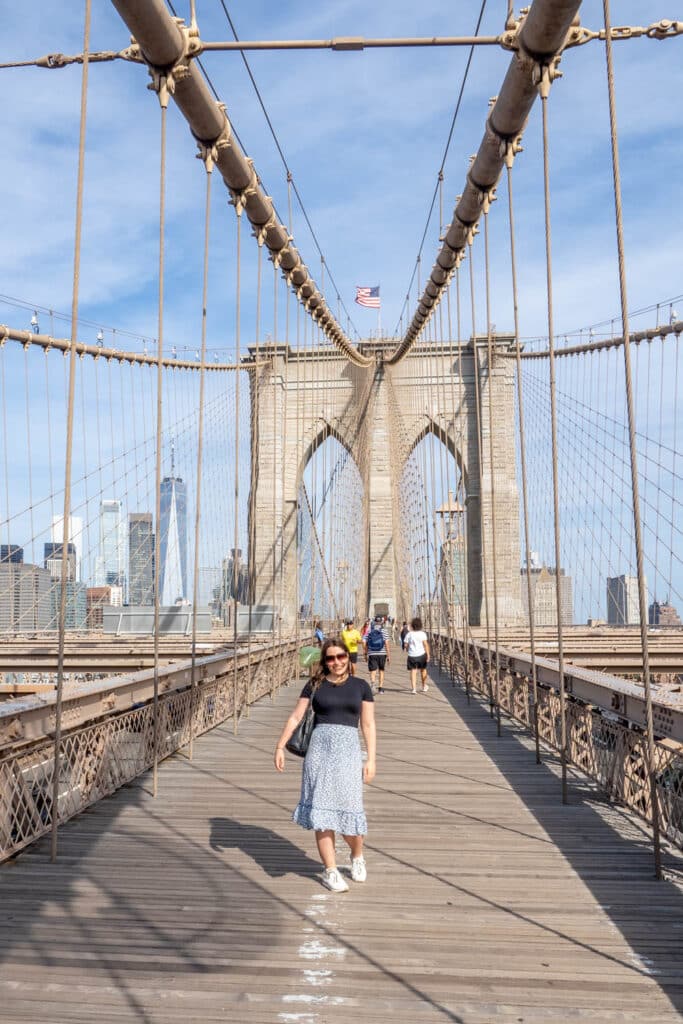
(339, 705)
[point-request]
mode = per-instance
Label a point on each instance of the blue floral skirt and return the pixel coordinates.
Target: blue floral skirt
(332, 783)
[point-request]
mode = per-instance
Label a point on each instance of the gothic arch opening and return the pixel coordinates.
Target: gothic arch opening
(331, 533)
(432, 551)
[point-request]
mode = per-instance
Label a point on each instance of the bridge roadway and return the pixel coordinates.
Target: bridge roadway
(487, 900)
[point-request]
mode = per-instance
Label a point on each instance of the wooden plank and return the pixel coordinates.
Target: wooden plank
(487, 900)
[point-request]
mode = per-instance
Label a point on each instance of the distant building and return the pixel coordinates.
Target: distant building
(11, 553)
(453, 563)
(111, 562)
(544, 596)
(234, 585)
(663, 614)
(96, 599)
(453, 571)
(173, 541)
(140, 559)
(623, 608)
(52, 557)
(75, 537)
(76, 606)
(209, 588)
(25, 601)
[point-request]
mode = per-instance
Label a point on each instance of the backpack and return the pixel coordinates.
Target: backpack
(375, 640)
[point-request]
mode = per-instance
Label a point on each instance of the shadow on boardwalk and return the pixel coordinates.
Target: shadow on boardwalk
(609, 850)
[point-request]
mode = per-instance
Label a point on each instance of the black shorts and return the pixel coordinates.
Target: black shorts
(376, 661)
(353, 658)
(420, 662)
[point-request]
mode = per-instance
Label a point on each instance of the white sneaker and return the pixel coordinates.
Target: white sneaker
(333, 880)
(358, 870)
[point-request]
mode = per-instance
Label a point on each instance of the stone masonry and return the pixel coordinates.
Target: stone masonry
(303, 398)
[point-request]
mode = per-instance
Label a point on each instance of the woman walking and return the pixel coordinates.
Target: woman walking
(416, 644)
(333, 774)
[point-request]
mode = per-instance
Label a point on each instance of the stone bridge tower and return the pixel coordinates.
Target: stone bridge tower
(300, 398)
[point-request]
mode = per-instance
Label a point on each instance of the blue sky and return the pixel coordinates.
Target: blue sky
(364, 135)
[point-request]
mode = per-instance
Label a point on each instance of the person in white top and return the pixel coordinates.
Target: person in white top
(417, 646)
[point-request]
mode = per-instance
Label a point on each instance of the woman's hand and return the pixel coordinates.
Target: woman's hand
(368, 771)
(279, 759)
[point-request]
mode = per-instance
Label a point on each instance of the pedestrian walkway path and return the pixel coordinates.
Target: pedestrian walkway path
(487, 900)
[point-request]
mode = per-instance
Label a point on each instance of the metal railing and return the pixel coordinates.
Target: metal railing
(98, 757)
(605, 741)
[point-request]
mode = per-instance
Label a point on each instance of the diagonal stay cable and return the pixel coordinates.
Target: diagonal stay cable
(443, 160)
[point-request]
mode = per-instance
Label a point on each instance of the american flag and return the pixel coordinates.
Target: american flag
(368, 297)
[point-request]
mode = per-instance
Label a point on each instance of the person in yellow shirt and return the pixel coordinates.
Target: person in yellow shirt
(351, 637)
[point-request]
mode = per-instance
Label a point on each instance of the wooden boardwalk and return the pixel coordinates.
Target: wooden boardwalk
(487, 900)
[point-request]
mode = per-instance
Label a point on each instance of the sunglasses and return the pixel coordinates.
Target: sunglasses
(336, 657)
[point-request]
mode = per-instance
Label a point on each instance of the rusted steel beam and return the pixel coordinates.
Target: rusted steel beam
(539, 40)
(169, 49)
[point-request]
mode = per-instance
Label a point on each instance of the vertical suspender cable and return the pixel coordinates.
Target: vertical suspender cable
(69, 435)
(544, 89)
(255, 451)
(163, 100)
(522, 456)
(274, 449)
(482, 532)
(235, 577)
(492, 486)
(461, 411)
(637, 528)
(522, 449)
(200, 449)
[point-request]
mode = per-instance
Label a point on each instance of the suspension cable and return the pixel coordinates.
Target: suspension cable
(69, 437)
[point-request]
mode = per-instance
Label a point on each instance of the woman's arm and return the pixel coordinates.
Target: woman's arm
(290, 725)
(367, 724)
(426, 646)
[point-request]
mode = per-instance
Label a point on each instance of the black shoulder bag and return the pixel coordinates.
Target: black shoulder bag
(301, 737)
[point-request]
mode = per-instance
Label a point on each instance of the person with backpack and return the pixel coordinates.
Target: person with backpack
(377, 653)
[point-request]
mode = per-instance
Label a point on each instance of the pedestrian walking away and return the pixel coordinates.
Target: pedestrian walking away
(417, 646)
(404, 631)
(319, 635)
(352, 637)
(377, 653)
(333, 774)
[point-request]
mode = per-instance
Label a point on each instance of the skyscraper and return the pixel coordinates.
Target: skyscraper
(140, 559)
(111, 560)
(53, 553)
(25, 597)
(173, 540)
(623, 607)
(11, 553)
(75, 537)
(544, 596)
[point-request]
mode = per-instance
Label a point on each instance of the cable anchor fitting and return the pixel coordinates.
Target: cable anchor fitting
(239, 199)
(509, 150)
(164, 80)
(208, 154)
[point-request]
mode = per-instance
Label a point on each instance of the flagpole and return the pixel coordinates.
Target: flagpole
(379, 313)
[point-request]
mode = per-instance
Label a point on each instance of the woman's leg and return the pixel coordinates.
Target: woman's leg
(423, 673)
(355, 844)
(413, 679)
(325, 842)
